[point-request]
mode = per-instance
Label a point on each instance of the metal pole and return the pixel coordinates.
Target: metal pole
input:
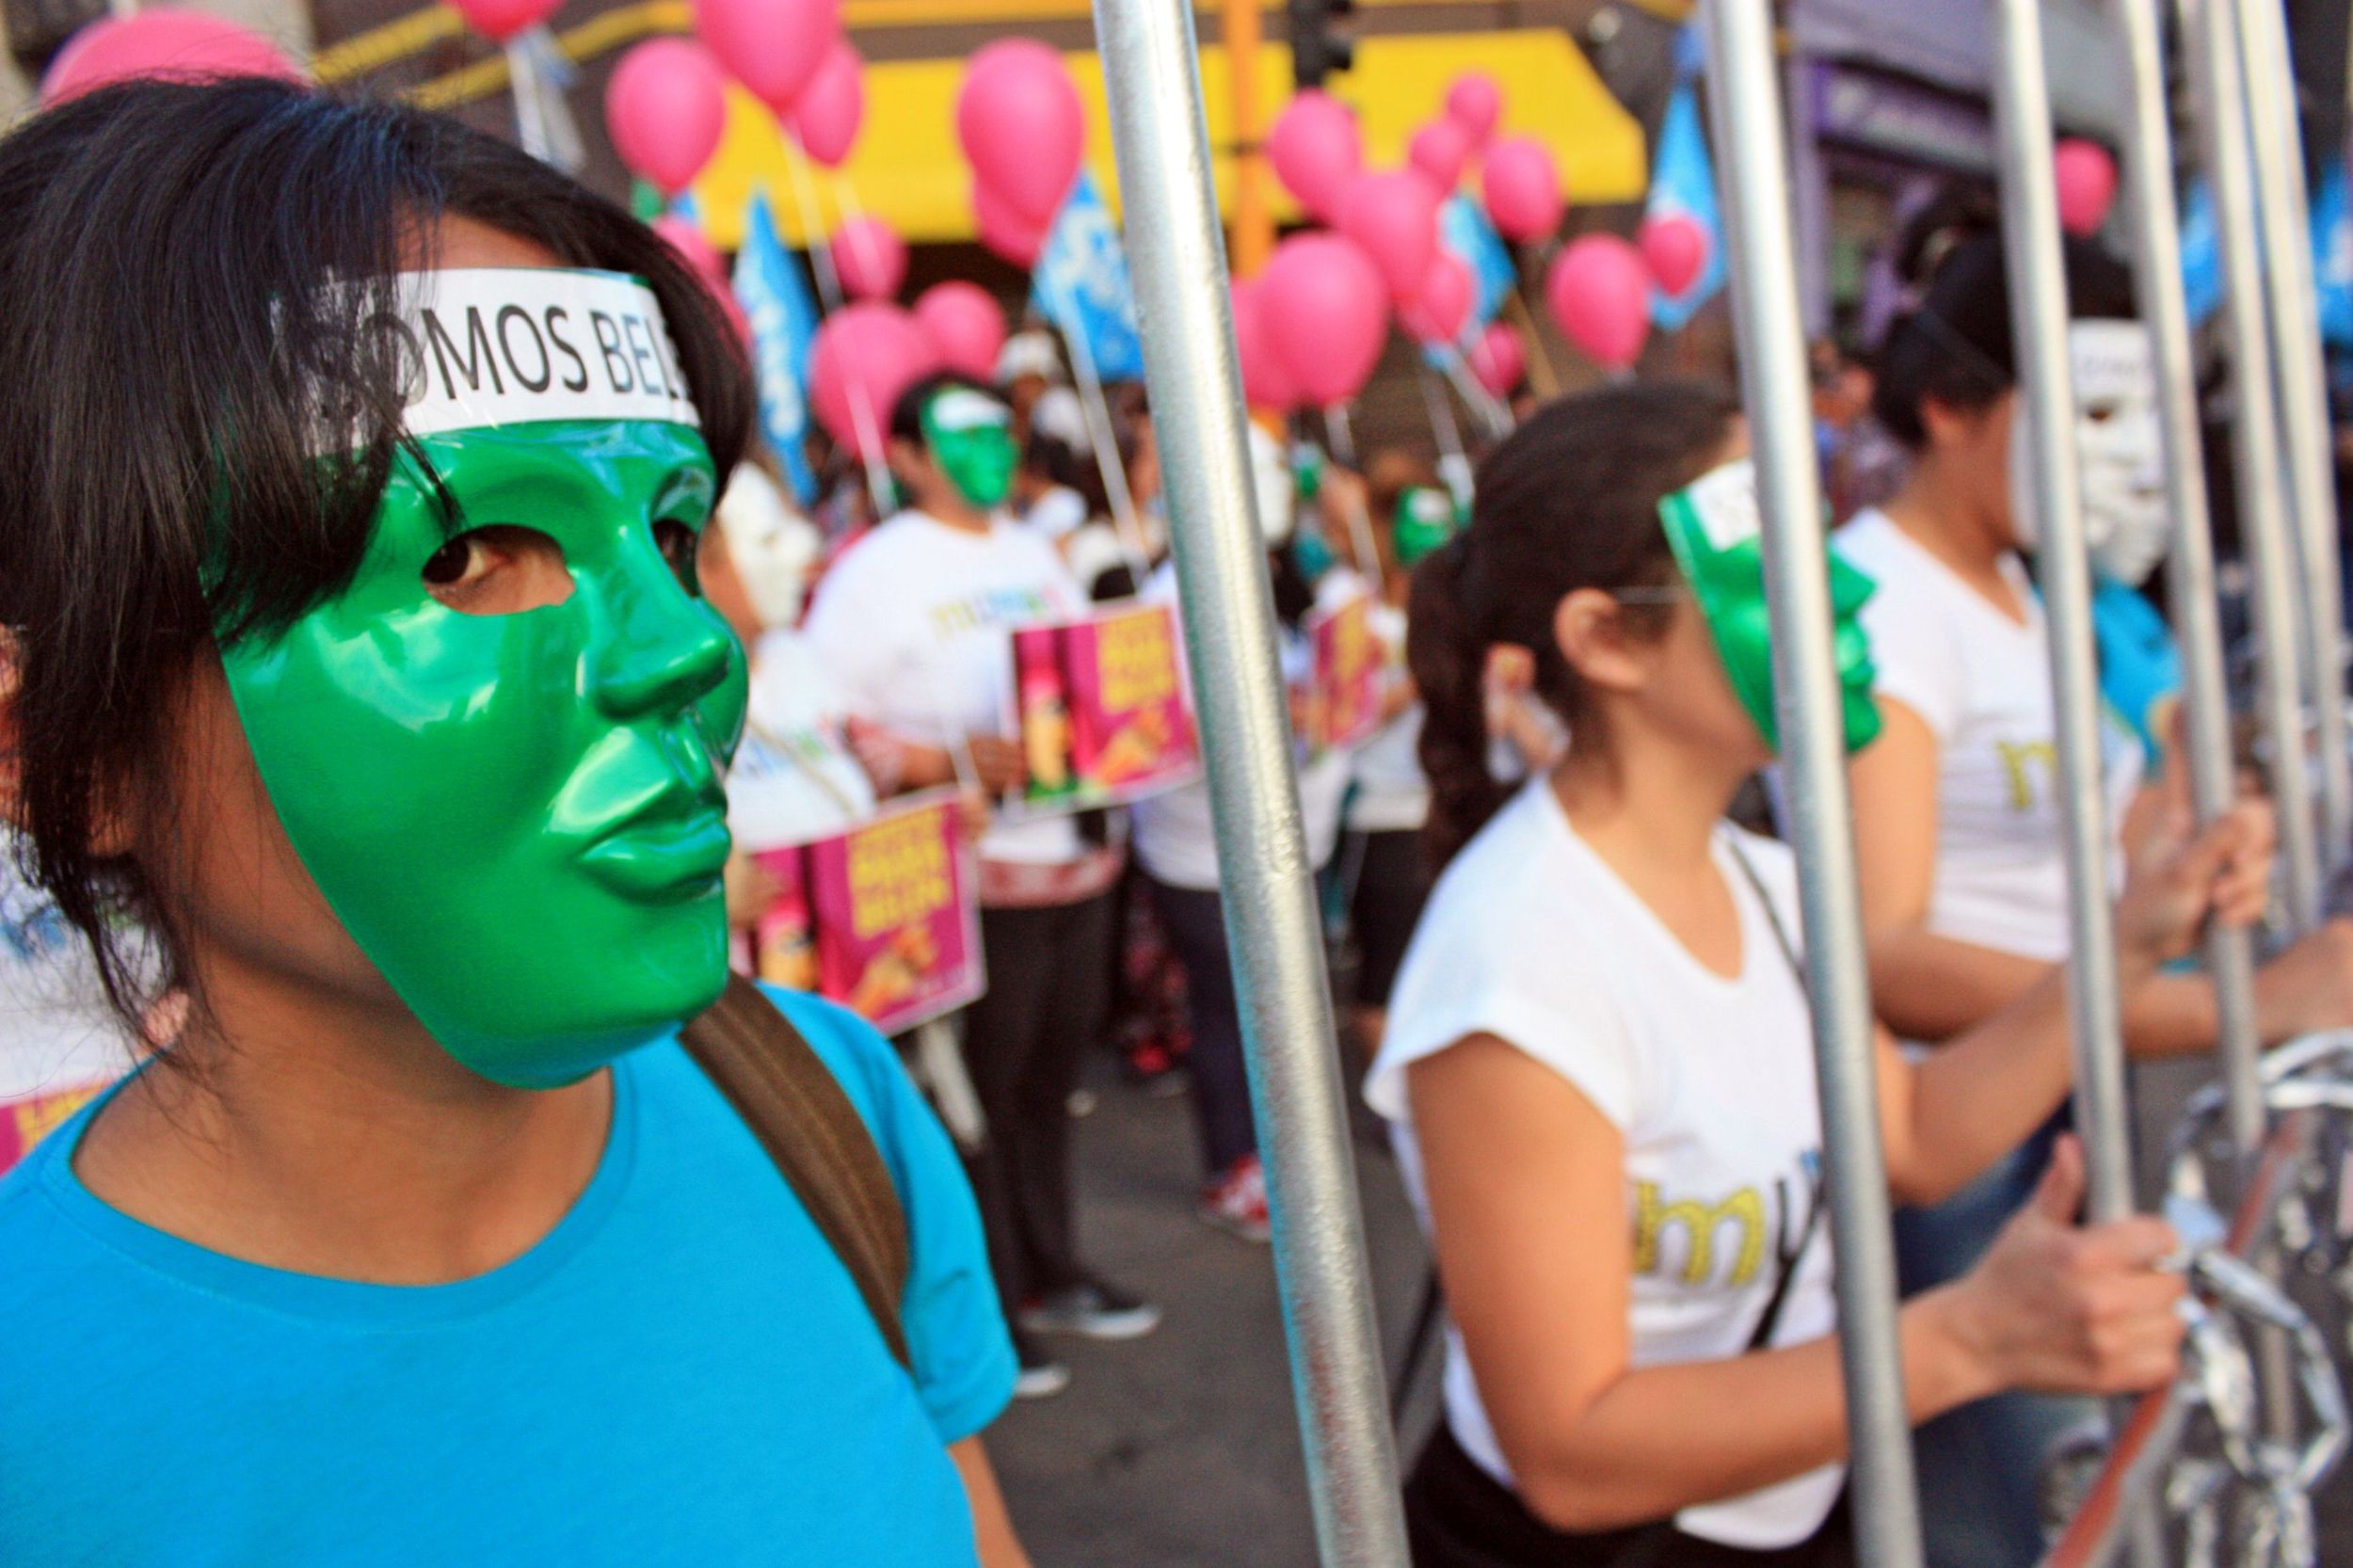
(2285, 215)
(2219, 88)
(2156, 234)
(1744, 103)
(2037, 294)
(1153, 73)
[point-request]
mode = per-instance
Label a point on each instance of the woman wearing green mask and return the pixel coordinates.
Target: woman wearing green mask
(1598, 1067)
(355, 648)
(916, 624)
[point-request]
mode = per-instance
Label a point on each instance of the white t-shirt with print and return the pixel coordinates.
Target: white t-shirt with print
(1531, 937)
(915, 624)
(1175, 837)
(1981, 682)
(795, 780)
(1392, 793)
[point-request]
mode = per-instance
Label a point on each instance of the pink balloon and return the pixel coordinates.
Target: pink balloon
(1498, 359)
(695, 249)
(162, 41)
(1266, 381)
(1599, 291)
(1325, 313)
(864, 357)
(666, 108)
(870, 258)
(964, 325)
(1004, 231)
(501, 20)
(1522, 184)
(1394, 215)
(2086, 185)
(772, 46)
(1317, 148)
(1018, 118)
(825, 118)
(1476, 104)
(1441, 308)
(1440, 150)
(1675, 250)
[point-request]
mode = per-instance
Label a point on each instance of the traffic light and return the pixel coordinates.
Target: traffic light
(1319, 47)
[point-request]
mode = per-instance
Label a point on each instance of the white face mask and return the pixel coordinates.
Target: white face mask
(2119, 453)
(773, 548)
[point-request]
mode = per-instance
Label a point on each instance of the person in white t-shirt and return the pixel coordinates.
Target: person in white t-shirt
(1958, 817)
(1598, 1068)
(1176, 844)
(915, 624)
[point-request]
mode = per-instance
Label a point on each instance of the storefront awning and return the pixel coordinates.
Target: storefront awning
(908, 170)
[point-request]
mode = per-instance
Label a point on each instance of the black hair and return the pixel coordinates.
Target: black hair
(1955, 346)
(200, 288)
(906, 414)
(1569, 501)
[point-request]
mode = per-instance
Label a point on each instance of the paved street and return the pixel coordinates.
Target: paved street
(1179, 1451)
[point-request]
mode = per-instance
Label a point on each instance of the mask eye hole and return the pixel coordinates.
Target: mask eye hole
(2099, 414)
(502, 569)
(681, 546)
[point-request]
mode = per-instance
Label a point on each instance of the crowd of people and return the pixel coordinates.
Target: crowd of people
(370, 749)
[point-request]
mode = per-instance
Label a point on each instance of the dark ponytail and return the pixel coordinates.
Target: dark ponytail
(1569, 501)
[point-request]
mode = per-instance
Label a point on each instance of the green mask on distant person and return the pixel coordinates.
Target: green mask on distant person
(1425, 521)
(970, 437)
(519, 817)
(1712, 526)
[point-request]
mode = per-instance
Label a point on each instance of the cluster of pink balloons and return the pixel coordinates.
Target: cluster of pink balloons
(1023, 131)
(867, 354)
(792, 55)
(1498, 359)
(667, 108)
(161, 41)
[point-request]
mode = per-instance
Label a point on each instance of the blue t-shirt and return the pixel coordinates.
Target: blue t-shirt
(681, 1371)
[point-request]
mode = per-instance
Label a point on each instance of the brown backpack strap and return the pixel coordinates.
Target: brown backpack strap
(794, 1105)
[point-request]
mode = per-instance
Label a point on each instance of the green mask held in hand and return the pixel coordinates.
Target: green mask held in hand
(1713, 526)
(970, 437)
(519, 817)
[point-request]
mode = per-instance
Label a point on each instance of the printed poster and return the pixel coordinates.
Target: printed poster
(883, 919)
(1348, 674)
(1099, 708)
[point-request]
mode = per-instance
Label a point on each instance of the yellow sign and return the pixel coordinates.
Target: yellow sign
(909, 170)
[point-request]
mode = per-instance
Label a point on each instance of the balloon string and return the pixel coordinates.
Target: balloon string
(1099, 434)
(1341, 436)
(854, 224)
(1540, 368)
(862, 413)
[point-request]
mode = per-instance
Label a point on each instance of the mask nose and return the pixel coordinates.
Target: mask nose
(660, 652)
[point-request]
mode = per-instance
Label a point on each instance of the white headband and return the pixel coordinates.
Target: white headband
(518, 346)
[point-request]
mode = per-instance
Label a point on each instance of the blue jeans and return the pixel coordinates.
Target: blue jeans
(1981, 1465)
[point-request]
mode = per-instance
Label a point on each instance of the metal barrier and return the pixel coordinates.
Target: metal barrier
(1162, 140)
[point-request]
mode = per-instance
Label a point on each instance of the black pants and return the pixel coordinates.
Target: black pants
(1459, 1516)
(1048, 1000)
(1392, 885)
(1194, 922)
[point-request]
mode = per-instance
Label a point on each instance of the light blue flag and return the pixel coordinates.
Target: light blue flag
(2333, 254)
(1081, 285)
(2202, 254)
(775, 300)
(1465, 230)
(1683, 185)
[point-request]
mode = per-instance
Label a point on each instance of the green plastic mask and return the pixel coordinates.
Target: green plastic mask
(1713, 527)
(971, 435)
(519, 818)
(1425, 521)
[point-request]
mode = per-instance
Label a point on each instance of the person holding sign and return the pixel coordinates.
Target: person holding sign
(915, 622)
(1957, 820)
(1599, 1062)
(360, 656)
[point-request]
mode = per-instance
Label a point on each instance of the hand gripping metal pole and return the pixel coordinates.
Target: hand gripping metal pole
(2285, 215)
(2218, 88)
(2037, 294)
(1153, 75)
(2156, 232)
(1744, 98)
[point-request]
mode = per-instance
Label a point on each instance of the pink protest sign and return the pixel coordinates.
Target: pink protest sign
(1100, 705)
(1344, 690)
(884, 918)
